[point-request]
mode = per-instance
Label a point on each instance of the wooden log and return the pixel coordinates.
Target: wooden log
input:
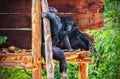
(14, 58)
(19, 65)
(27, 58)
(15, 65)
(80, 60)
(83, 69)
(48, 43)
(36, 39)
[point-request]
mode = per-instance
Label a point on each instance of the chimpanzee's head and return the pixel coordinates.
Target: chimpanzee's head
(69, 22)
(52, 9)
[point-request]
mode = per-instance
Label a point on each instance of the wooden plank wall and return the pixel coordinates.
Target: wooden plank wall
(16, 15)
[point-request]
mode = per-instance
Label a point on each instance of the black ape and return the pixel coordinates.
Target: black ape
(67, 25)
(58, 54)
(57, 29)
(55, 24)
(77, 39)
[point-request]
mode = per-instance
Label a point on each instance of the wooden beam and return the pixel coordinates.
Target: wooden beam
(48, 42)
(25, 29)
(27, 58)
(15, 65)
(16, 58)
(36, 39)
(81, 60)
(83, 69)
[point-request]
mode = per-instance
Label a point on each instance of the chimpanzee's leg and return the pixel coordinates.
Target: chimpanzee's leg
(67, 44)
(87, 41)
(58, 54)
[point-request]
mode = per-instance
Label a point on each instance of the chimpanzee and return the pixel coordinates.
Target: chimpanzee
(55, 26)
(77, 39)
(57, 30)
(59, 55)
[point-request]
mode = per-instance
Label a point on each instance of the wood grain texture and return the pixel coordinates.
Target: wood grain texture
(83, 70)
(74, 6)
(48, 42)
(13, 6)
(84, 21)
(77, 6)
(15, 20)
(36, 40)
(79, 57)
(93, 21)
(20, 39)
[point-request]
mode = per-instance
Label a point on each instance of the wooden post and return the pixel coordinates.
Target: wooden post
(36, 39)
(83, 70)
(48, 43)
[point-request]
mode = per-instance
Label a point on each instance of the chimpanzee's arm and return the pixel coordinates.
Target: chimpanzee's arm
(47, 15)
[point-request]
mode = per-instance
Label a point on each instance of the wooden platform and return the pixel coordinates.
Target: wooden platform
(15, 60)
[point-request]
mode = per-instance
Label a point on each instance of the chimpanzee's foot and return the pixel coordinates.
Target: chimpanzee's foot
(70, 50)
(64, 75)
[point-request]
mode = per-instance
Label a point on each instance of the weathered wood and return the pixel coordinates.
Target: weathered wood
(72, 55)
(91, 21)
(83, 67)
(15, 65)
(81, 60)
(19, 65)
(84, 21)
(25, 29)
(15, 20)
(14, 58)
(48, 42)
(13, 6)
(20, 39)
(77, 6)
(36, 39)
(83, 70)
(27, 58)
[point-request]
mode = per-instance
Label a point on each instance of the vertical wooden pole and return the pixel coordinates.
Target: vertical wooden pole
(83, 70)
(48, 43)
(36, 40)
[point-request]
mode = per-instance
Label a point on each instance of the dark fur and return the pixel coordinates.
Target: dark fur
(55, 26)
(77, 39)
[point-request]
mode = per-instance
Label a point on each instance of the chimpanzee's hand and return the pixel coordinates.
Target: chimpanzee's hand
(44, 14)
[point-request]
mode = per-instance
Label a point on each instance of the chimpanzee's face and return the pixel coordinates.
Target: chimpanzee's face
(69, 26)
(69, 23)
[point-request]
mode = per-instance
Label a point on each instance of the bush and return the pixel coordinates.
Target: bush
(3, 39)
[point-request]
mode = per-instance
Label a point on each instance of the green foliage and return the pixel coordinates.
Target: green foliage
(3, 39)
(9, 73)
(107, 43)
(72, 71)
